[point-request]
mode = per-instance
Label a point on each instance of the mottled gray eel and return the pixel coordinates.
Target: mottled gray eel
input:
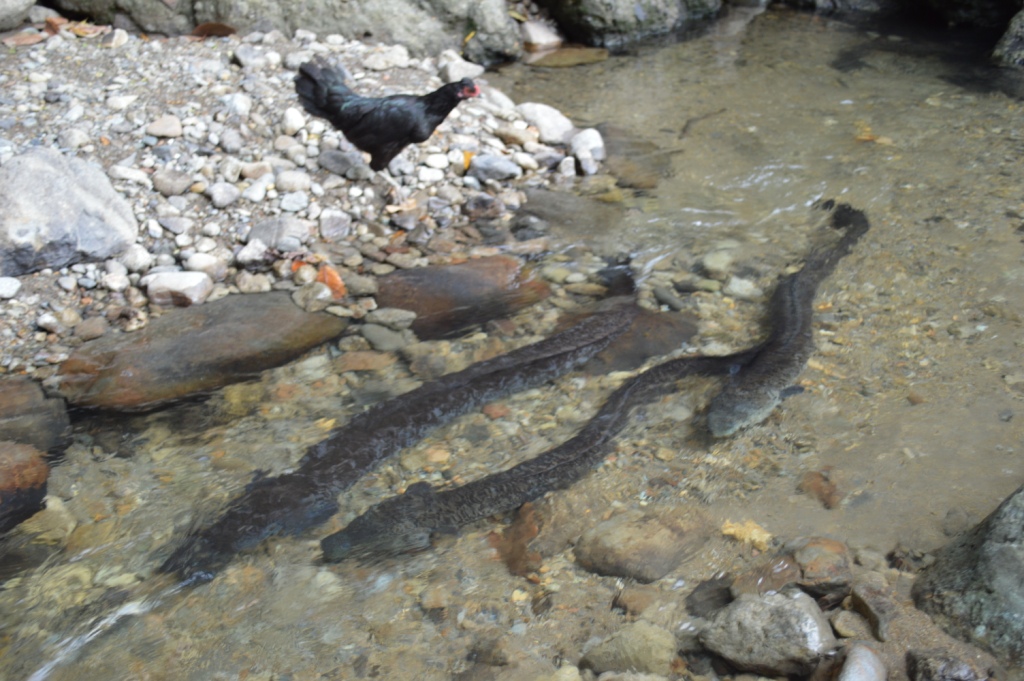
(760, 377)
(297, 501)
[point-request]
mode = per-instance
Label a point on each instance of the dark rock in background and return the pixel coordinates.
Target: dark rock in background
(426, 28)
(616, 23)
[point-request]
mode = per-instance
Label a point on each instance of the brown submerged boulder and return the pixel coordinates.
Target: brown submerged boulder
(23, 475)
(448, 299)
(193, 350)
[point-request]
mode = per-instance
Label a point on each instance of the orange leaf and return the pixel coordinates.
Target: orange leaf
(328, 275)
(53, 24)
(467, 158)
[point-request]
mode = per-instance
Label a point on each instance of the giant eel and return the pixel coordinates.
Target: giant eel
(293, 502)
(761, 374)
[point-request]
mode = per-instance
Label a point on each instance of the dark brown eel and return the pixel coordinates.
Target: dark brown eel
(752, 393)
(406, 522)
(294, 502)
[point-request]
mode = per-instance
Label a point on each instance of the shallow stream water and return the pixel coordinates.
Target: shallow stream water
(913, 404)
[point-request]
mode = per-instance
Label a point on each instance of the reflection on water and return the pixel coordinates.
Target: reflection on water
(909, 403)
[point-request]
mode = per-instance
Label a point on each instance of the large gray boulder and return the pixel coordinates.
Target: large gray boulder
(57, 210)
(1010, 48)
(13, 13)
(975, 588)
(426, 27)
(613, 23)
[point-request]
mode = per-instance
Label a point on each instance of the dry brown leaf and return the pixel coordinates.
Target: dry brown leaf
(24, 39)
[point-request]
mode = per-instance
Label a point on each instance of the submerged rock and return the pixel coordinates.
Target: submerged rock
(642, 546)
(23, 475)
(651, 334)
(193, 350)
(448, 299)
(640, 647)
(30, 417)
(975, 588)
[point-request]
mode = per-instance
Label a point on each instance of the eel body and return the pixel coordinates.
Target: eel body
(760, 376)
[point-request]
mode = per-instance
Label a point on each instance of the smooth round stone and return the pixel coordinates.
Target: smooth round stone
(430, 175)
(437, 161)
(9, 287)
(292, 121)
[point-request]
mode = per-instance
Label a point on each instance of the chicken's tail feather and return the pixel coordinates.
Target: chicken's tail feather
(313, 84)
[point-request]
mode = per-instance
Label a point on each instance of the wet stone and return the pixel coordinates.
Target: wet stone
(314, 296)
(639, 546)
(778, 634)
(28, 416)
(639, 647)
(651, 334)
(358, 285)
(91, 328)
(848, 624)
(872, 598)
(634, 599)
(23, 475)
(939, 665)
(767, 577)
(447, 299)
(363, 360)
(716, 264)
(391, 317)
(825, 564)
(382, 338)
(193, 350)
(862, 664)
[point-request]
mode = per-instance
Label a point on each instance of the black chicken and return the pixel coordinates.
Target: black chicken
(380, 126)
